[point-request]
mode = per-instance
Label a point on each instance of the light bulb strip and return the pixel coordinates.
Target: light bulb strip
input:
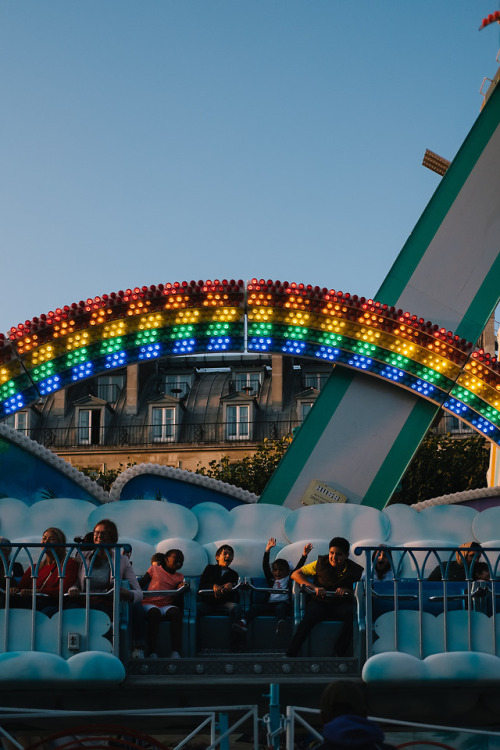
(197, 317)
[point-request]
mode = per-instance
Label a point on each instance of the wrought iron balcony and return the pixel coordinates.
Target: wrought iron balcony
(197, 433)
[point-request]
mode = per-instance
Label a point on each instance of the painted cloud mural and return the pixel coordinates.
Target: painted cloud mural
(151, 526)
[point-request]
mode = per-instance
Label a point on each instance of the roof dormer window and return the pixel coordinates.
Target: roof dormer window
(89, 427)
(305, 407)
(177, 385)
(92, 417)
(238, 421)
(239, 416)
(163, 424)
(165, 418)
(109, 387)
(305, 402)
(19, 421)
(314, 380)
(248, 383)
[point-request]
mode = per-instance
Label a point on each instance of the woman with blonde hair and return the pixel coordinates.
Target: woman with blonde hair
(462, 568)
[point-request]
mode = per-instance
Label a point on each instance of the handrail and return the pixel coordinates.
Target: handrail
(402, 597)
(61, 555)
(432, 552)
(239, 585)
(247, 583)
(76, 594)
(471, 596)
(170, 592)
(304, 588)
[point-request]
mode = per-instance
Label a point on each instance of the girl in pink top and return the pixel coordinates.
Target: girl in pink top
(163, 576)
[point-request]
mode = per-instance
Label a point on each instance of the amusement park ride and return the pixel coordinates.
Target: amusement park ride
(399, 360)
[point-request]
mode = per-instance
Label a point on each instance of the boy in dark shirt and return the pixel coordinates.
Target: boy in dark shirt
(216, 595)
(333, 573)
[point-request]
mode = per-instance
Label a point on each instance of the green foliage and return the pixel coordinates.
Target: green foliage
(103, 478)
(443, 465)
(251, 472)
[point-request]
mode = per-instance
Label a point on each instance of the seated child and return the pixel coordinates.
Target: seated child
(220, 579)
(279, 601)
(481, 571)
(163, 576)
(381, 568)
(480, 589)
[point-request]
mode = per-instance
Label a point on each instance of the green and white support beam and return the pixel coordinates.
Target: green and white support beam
(362, 432)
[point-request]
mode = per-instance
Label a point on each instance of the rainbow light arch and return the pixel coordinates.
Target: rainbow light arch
(88, 338)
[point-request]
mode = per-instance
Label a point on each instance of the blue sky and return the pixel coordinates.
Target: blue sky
(162, 140)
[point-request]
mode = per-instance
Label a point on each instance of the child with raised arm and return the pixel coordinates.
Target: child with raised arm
(279, 600)
(163, 575)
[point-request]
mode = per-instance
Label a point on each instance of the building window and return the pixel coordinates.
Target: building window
(314, 379)
(455, 425)
(109, 387)
(19, 421)
(238, 422)
(247, 382)
(89, 426)
(305, 408)
(163, 424)
(176, 385)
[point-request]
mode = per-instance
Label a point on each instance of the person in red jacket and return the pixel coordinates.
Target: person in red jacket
(51, 572)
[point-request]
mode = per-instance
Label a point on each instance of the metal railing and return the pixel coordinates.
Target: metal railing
(295, 715)
(408, 597)
(107, 392)
(212, 720)
(242, 385)
(198, 433)
(34, 599)
(103, 728)
(195, 433)
(316, 381)
(405, 600)
(399, 734)
(178, 389)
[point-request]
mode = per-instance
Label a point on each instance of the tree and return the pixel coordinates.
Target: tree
(103, 478)
(443, 465)
(251, 472)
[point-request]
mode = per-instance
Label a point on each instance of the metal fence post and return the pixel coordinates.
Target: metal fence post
(273, 719)
(223, 723)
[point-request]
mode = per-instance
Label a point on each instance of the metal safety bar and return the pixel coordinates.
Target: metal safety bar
(170, 592)
(422, 560)
(239, 585)
(61, 554)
